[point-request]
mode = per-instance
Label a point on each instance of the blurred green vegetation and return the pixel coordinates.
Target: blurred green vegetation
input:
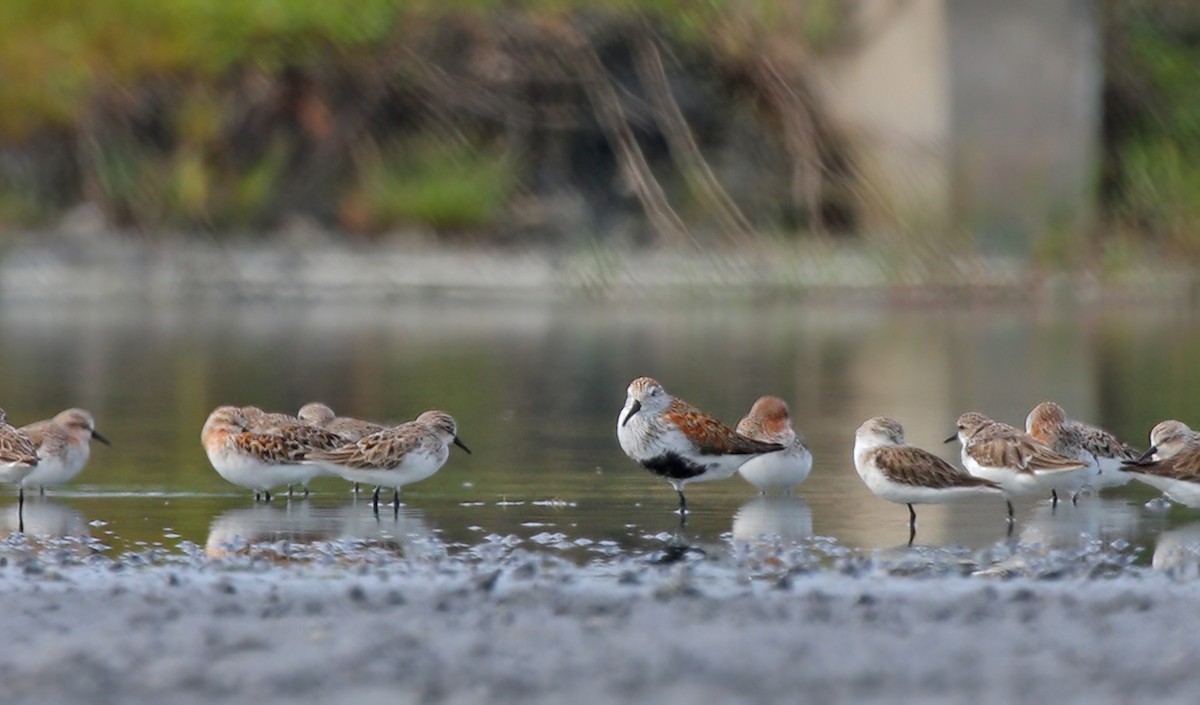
(1152, 121)
(228, 115)
(225, 115)
(435, 180)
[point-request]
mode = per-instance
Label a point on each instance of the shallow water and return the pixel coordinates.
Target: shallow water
(536, 389)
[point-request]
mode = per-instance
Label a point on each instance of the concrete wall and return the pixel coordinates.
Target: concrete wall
(973, 115)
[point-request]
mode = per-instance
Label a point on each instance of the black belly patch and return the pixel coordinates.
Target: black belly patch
(673, 467)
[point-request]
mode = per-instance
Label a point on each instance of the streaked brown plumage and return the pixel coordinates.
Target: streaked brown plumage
(909, 465)
(395, 456)
(18, 452)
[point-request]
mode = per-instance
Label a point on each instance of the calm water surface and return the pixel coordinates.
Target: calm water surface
(536, 389)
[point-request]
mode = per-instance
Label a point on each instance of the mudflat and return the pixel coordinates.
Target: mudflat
(527, 631)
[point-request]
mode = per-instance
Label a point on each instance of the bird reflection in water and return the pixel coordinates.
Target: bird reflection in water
(43, 518)
(306, 530)
(784, 516)
(1177, 551)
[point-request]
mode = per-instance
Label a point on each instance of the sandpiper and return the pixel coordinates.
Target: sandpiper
(1049, 424)
(1171, 464)
(396, 456)
(769, 421)
(1014, 460)
(260, 460)
(321, 416)
(1168, 438)
(677, 441)
(308, 434)
(64, 445)
(906, 474)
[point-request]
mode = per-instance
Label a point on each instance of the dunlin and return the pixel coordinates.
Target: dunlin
(1014, 460)
(769, 421)
(1171, 464)
(64, 445)
(396, 456)
(677, 441)
(906, 474)
(1049, 424)
(261, 460)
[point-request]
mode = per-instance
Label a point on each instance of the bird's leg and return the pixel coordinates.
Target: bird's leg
(289, 491)
(912, 533)
(1053, 498)
(396, 497)
(375, 499)
(356, 489)
(306, 491)
(20, 509)
(266, 495)
(912, 517)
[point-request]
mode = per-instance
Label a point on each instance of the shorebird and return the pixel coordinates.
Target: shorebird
(1167, 438)
(679, 443)
(769, 421)
(319, 415)
(18, 458)
(308, 434)
(1049, 424)
(260, 460)
(64, 445)
(1171, 464)
(1014, 460)
(909, 475)
(395, 456)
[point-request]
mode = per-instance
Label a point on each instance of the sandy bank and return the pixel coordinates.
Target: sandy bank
(52, 267)
(398, 635)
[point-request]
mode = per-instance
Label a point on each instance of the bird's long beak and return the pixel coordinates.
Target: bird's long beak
(952, 439)
(462, 445)
(637, 406)
(102, 439)
(1144, 457)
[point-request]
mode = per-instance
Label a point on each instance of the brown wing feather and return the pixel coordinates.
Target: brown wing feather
(313, 437)
(16, 447)
(1035, 457)
(1005, 446)
(39, 431)
(1184, 465)
(1104, 444)
(384, 450)
(909, 465)
(710, 435)
(272, 448)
